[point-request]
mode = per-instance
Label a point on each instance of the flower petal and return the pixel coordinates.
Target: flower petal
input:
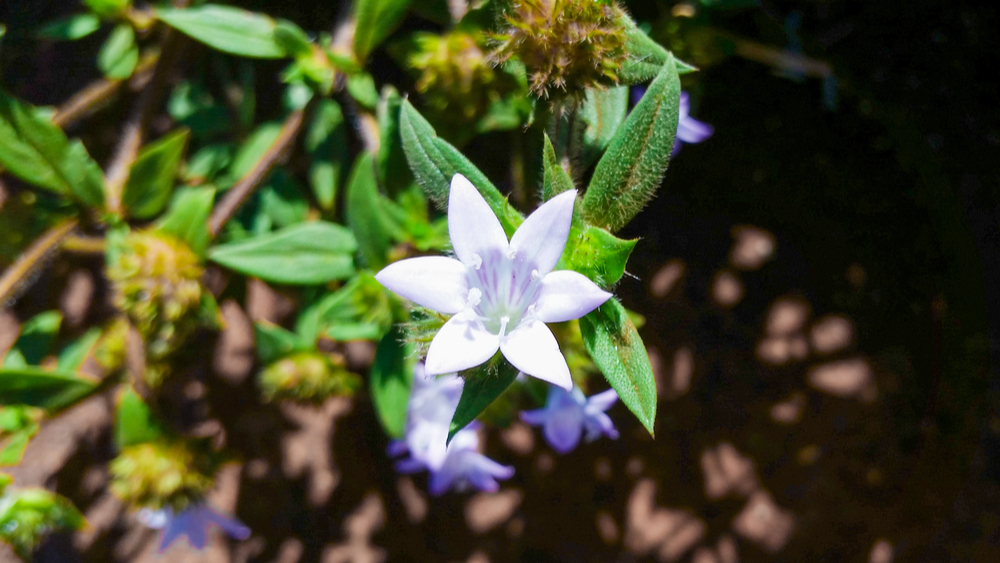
(690, 130)
(536, 417)
(602, 401)
(563, 429)
(533, 349)
(483, 472)
(435, 282)
(566, 295)
(599, 424)
(540, 240)
(461, 343)
(231, 526)
(472, 226)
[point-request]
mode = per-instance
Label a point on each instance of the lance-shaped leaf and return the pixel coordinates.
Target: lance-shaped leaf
(374, 21)
(600, 116)
(119, 54)
(483, 384)
(37, 334)
(74, 354)
(71, 28)
(39, 387)
(361, 310)
(151, 178)
(616, 348)
(434, 162)
(273, 342)
(391, 381)
(134, 421)
(597, 254)
(646, 57)
(303, 254)
(187, 218)
(393, 171)
(228, 29)
(18, 424)
(38, 152)
(631, 169)
(556, 179)
(365, 216)
(326, 143)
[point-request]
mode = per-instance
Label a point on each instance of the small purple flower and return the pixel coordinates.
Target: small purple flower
(192, 524)
(499, 292)
(457, 465)
(568, 414)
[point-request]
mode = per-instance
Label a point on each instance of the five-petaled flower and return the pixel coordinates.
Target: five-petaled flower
(500, 293)
(568, 414)
(193, 524)
(455, 465)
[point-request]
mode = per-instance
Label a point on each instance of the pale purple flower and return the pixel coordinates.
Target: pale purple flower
(568, 415)
(500, 293)
(192, 524)
(456, 465)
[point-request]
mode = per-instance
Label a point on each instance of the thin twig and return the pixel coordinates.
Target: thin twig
(101, 92)
(19, 275)
(234, 198)
(135, 128)
(78, 244)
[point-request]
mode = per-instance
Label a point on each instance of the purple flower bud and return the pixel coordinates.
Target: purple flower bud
(568, 416)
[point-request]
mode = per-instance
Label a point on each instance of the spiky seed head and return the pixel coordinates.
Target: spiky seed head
(308, 376)
(566, 45)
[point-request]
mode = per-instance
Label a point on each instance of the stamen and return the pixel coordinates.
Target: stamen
(475, 296)
(477, 261)
(534, 275)
(510, 253)
(503, 325)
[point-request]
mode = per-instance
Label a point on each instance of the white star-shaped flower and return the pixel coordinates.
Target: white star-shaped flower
(501, 293)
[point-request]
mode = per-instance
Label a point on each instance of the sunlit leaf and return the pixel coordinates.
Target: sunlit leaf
(70, 28)
(187, 218)
(374, 21)
(151, 178)
(119, 54)
(134, 421)
(39, 387)
(483, 384)
(226, 28)
(391, 380)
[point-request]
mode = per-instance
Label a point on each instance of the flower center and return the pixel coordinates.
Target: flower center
(502, 291)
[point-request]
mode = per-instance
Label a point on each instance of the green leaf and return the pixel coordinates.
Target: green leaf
(631, 169)
(203, 165)
(393, 171)
(434, 161)
(71, 28)
(365, 216)
(250, 152)
(374, 21)
(483, 384)
(38, 387)
(303, 254)
(18, 424)
(556, 179)
(187, 218)
(151, 178)
(361, 87)
(292, 39)
(37, 335)
(281, 198)
(360, 310)
(600, 116)
(391, 381)
(597, 254)
(74, 354)
(134, 421)
(273, 342)
(616, 348)
(228, 29)
(646, 57)
(107, 8)
(35, 150)
(326, 143)
(119, 54)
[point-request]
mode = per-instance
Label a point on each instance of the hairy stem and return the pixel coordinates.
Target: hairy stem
(234, 198)
(19, 275)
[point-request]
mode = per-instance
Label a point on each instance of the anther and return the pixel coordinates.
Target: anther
(477, 261)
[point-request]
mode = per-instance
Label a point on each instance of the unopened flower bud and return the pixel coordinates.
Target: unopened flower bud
(163, 474)
(456, 79)
(308, 376)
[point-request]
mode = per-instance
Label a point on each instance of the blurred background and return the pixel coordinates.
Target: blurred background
(818, 281)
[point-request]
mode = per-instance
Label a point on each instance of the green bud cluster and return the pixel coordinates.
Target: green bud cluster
(167, 473)
(156, 281)
(308, 376)
(568, 45)
(28, 515)
(455, 74)
(110, 350)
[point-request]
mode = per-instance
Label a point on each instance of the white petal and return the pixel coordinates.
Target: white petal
(566, 295)
(462, 343)
(472, 226)
(533, 349)
(435, 282)
(540, 240)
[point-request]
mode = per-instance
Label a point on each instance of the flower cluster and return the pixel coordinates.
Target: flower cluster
(454, 73)
(453, 466)
(568, 415)
(500, 293)
(192, 524)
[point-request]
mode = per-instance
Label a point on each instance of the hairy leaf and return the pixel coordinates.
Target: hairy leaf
(151, 178)
(303, 254)
(628, 174)
(556, 179)
(600, 116)
(597, 254)
(616, 348)
(646, 57)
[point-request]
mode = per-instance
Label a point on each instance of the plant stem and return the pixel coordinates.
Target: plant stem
(234, 198)
(100, 92)
(83, 245)
(20, 275)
